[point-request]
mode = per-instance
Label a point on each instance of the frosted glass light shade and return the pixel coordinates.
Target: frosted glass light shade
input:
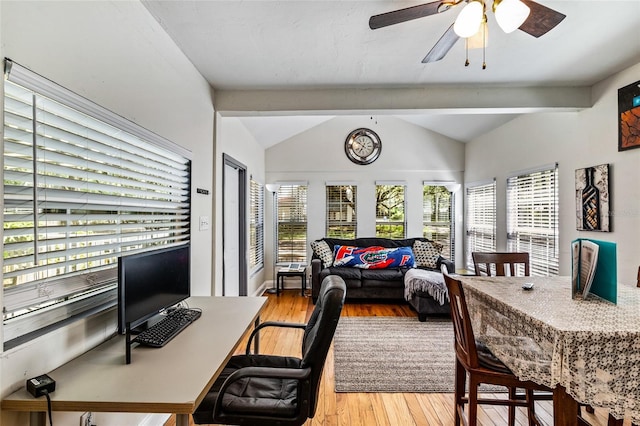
(510, 14)
(469, 20)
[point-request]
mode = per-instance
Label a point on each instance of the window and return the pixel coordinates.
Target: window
(390, 219)
(256, 225)
(481, 219)
(341, 211)
(437, 217)
(532, 218)
(292, 223)
(81, 187)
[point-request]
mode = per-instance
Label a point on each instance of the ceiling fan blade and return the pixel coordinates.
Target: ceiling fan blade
(403, 15)
(541, 20)
(442, 46)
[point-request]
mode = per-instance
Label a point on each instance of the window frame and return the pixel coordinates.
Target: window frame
(256, 225)
(292, 215)
(533, 221)
(59, 190)
(341, 219)
(480, 235)
(448, 243)
(382, 220)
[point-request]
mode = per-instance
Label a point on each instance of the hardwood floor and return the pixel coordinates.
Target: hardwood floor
(373, 409)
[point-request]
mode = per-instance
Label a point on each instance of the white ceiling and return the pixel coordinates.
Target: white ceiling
(242, 45)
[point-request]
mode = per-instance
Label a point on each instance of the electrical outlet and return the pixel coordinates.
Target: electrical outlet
(86, 419)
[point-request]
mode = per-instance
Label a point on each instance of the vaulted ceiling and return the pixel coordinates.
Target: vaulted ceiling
(300, 49)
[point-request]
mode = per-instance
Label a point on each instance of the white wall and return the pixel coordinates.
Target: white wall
(409, 153)
(115, 54)
(574, 140)
(235, 140)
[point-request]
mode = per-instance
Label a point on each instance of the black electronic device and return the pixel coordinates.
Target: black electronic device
(160, 333)
(149, 283)
(41, 385)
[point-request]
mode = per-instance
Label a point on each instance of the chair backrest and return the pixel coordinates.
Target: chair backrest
(320, 330)
(465, 343)
(490, 263)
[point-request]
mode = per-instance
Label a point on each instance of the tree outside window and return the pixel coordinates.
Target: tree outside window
(341, 211)
(390, 207)
(437, 217)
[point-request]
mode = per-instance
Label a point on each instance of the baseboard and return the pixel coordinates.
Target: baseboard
(270, 284)
(261, 289)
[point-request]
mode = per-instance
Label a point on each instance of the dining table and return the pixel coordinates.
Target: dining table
(586, 349)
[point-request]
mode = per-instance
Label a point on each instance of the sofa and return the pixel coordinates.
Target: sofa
(379, 284)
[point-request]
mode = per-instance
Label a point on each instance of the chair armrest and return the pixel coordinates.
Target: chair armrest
(265, 372)
(271, 324)
(451, 267)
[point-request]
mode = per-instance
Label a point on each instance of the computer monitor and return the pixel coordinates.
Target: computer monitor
(150, 282)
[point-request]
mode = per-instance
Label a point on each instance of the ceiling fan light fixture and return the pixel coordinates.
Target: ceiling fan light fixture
(480, 40)
(469, 19)
(510, 14)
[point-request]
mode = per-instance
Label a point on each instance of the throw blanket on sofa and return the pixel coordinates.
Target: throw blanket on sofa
(431, 282)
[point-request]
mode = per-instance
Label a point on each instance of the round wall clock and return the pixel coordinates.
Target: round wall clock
(363, 146)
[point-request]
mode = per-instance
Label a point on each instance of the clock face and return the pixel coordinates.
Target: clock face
(362, 146)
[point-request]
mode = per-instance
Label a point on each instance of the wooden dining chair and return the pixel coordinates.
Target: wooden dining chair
(475, 359)
(496, 263)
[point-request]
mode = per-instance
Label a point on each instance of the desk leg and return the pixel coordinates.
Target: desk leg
(182, 420)
(565, 408)
(37, 418)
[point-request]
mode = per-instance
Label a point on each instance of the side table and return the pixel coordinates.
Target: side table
(288, 273)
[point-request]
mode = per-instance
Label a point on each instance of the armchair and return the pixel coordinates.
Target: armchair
(256, 389)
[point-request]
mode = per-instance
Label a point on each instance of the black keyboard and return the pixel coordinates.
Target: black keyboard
(167, 328)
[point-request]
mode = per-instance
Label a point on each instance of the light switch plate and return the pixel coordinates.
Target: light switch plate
(204, 223)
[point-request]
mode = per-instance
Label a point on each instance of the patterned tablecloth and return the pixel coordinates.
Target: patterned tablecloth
(591, 347)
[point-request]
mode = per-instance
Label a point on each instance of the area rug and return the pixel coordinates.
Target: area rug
(394, 354)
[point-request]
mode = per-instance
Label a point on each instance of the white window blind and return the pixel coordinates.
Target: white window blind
(532, 218)
(390, 208)
(79, 191)
(481, 220)
(437, 217)
(256, 225)
(292, 223)
(341, 221)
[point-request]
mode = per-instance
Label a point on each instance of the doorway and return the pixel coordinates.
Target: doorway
(234, 219)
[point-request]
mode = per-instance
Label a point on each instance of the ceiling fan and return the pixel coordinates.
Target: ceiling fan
(538, 20)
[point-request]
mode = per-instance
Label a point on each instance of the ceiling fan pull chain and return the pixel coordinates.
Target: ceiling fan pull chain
(484, 43)
(466, 49)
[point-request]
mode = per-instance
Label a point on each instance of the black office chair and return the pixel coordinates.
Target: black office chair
(256, 389)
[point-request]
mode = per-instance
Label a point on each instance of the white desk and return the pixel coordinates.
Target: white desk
(172, 379)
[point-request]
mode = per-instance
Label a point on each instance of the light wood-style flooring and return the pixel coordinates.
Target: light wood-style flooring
(373, 409)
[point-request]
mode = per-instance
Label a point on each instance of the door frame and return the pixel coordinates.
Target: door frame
(227, 160)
